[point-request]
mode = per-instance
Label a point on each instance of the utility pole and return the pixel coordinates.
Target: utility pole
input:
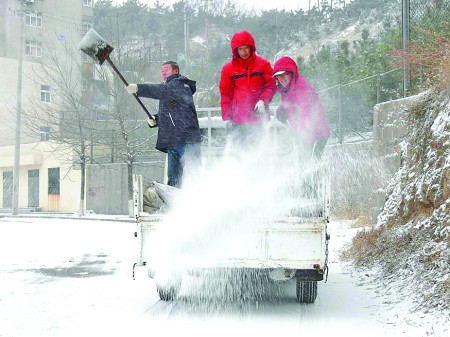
(405, 39)
(16, 170)
(185, 42)
(207, 32)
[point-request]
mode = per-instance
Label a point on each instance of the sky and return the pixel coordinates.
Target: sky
(258, 4)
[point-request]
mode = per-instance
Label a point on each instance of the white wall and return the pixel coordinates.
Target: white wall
(43, 156)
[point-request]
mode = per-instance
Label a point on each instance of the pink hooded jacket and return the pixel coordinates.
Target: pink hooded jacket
(301, 105)
(244, 82)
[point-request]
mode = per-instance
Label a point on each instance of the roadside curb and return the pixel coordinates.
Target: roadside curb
(69, 217)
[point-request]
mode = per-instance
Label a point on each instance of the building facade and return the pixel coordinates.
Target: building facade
(48, 181)
(30, 30)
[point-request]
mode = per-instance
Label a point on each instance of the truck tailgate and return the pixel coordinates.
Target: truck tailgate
(289, 244)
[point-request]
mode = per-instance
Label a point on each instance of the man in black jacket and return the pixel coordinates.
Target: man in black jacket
(179, 133)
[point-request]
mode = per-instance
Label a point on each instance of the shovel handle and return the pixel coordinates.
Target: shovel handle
(126, 83)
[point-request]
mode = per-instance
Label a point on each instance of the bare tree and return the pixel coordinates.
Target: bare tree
(90, 117)
(65, 114)
(133, 140)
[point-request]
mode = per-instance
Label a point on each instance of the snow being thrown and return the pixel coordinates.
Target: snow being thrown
(245, 217)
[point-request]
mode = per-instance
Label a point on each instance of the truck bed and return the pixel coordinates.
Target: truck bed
(288, 242)
(282, 237)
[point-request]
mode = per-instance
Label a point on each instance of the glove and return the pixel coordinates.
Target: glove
(132, 88)
(281, 115)
(152, 122)
(260, 108)
(228, 124)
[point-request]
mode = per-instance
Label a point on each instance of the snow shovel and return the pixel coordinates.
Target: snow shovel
(95, 46)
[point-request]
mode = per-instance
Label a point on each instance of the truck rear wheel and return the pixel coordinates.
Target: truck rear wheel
(167, 293)
(306, 291)
(170, 291)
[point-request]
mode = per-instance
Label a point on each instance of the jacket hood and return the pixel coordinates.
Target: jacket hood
(177, 77)
(243, 38)
(287, 64)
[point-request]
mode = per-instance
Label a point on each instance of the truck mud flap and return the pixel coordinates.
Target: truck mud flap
(309, 275)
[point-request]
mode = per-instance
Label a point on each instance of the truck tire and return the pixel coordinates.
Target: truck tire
(306, 291)
(168, 292)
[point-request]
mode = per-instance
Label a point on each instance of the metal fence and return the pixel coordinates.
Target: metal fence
(349, 106)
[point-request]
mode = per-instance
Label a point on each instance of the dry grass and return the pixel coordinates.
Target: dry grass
(363, 246)
(429, 60)
(364, 220)
(444, 75)
(360, 213)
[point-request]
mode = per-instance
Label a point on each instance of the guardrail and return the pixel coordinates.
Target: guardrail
(349, 106)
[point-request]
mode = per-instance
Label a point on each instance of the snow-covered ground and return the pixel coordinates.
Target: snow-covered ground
(69, 277)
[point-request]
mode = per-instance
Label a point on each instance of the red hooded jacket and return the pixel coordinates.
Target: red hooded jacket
(244, 82)
(301, 105)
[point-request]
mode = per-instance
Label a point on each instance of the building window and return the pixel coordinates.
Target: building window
(87, 69)
(86, 26)
(102, 114)
(88, 3)
(45, 93)
(45, 133)
(33, 48)
(33, 19)
(86, 85)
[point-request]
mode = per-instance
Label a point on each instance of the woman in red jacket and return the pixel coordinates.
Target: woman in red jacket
(301, 108)
(246, 87)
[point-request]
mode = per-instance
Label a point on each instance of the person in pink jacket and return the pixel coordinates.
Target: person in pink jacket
(300, 108)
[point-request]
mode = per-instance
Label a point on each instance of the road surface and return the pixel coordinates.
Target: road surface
(64, 277)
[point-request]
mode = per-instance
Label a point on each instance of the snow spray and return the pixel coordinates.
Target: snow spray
(220, 211)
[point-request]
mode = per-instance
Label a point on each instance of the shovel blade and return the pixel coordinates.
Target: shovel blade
(95, 46)
(167, 193)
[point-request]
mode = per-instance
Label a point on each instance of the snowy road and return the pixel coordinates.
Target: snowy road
(73, 277)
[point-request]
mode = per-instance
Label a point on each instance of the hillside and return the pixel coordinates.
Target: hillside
(209, 28)
(346, 26)
(410, 244)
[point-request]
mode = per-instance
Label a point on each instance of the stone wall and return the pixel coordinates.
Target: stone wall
(389, 129)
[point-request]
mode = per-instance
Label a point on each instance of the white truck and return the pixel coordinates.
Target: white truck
(283, 247)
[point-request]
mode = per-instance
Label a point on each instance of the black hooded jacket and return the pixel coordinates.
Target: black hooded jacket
(177, 118)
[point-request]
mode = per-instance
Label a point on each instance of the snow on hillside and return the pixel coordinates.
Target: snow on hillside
(408, 251)
(375, 22)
